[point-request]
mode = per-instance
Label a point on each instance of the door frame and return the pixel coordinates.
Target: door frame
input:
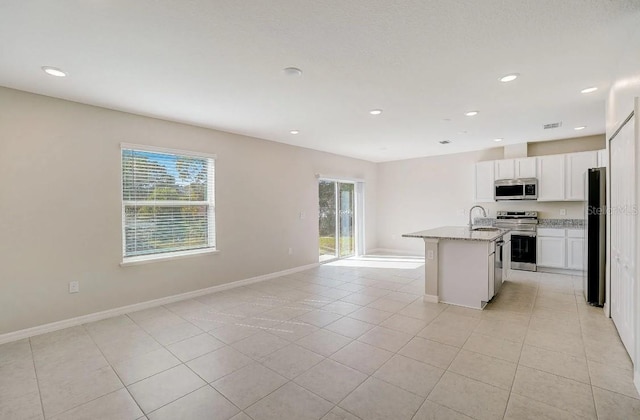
(358, 204)
(635, 327)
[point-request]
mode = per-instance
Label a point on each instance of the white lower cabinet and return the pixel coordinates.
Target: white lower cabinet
(551, 251)
(560, 248)
(575, 253)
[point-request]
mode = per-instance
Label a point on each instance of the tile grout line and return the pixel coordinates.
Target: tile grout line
(162, 371)
(513, 381)
(35, 372)
(114, 371)
(593, 397)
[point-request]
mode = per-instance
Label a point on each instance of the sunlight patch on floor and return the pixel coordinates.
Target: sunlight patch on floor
(401, 262)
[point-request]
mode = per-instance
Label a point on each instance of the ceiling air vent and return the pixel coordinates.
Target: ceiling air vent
(552, 125)
(444, 141)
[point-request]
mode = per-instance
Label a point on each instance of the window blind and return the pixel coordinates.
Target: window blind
(167, 202)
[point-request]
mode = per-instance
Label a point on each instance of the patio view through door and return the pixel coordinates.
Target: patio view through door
(337, 219)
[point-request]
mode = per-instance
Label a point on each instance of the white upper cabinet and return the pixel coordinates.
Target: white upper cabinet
(603, 158)
(576, 165)
(551, 178)
(560, 177)
(505, 169)
(515, 168)
(526, 167)
(484, 182)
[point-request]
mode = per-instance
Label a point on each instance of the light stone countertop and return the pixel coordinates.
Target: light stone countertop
(458, 233)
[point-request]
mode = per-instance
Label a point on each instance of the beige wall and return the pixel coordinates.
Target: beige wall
(424, 193)
(60, 208)
(576, 144)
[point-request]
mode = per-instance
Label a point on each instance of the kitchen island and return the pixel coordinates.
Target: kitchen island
(462, 266)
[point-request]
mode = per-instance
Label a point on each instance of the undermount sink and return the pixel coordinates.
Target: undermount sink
(485, 229)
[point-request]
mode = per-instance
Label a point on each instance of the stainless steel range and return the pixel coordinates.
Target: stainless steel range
(524, 226)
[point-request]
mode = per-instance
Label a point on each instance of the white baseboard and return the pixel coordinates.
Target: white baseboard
(97, 316)
(430, 299)
(564, 271)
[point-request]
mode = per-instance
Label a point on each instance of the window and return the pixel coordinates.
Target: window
(167, 203)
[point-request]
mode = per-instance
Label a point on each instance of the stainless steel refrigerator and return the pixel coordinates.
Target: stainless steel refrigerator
(595, 236)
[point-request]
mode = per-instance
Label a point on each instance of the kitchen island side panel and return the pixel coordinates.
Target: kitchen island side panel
(463, 268)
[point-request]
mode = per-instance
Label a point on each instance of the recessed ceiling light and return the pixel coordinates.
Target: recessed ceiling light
(54, 71)
(292, 71)
(294, 132)
(498, 140)
(509, 77)
(582, 127)
(375, 112)
(471, 113)
(589, 89)
(444, 141)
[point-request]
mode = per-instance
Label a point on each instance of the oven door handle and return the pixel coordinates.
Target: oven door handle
(528, 234)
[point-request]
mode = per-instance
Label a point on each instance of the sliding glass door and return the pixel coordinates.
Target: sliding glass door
(337, 219)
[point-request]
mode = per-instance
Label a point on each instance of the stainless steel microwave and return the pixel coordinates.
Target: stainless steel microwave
(516, 189)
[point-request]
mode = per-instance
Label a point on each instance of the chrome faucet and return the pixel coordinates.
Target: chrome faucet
(484, 214)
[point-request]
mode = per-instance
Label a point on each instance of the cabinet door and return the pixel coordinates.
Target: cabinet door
(526, 168)
(551, 252)
(551, 178)
(484, 182)
(603, 158)
(504, 169)
(506, 257)
(575, 252)
(491, 275)
(575, 168)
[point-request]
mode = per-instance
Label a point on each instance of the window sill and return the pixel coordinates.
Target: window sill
(147, 259)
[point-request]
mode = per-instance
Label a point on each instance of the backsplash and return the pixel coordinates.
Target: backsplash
(561, 223)
(543, 223)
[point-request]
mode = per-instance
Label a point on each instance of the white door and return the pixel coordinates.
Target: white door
(575, 167)
(551, 251)
(622, 254)
(484, 182)
(551, 178)
(504, 169)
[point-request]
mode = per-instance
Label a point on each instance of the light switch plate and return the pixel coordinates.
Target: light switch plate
(74, 287)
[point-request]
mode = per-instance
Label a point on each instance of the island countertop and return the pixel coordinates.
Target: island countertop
(458, 233)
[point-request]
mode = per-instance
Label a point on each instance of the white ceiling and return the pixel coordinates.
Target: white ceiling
(219, 64)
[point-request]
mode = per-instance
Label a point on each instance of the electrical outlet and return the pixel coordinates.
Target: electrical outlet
(290, 251)
(430, 255)
(74, 287)
(563, 212)
(303, 215)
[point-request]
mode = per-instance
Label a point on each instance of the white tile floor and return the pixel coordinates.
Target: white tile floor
(348, 340)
